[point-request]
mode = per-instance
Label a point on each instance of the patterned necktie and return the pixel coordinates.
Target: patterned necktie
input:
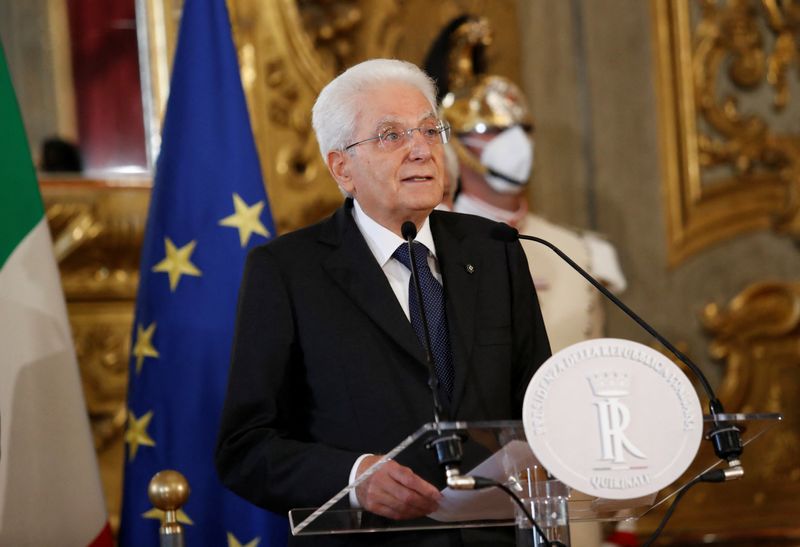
(433, 297)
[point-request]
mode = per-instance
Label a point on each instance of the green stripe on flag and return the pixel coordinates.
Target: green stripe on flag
(20, 203)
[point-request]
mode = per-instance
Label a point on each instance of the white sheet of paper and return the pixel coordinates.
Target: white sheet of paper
(490, 503)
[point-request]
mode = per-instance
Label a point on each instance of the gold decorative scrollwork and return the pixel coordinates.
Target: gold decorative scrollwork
(287, 73)
(730, 164)
(332, 28)
(102, 349)
(97, 232)
(784, 20)
(102, 332)
(757, 337)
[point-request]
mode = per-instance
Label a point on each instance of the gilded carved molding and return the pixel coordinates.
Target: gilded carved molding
(102, 333)
(728, 105)
(756, 336)
(282, 74)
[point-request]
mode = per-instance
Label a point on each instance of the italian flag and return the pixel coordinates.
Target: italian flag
(50, 491)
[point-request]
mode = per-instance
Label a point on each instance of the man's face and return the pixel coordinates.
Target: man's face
(398, 185)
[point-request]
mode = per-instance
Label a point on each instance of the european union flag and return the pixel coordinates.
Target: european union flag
(208, 207)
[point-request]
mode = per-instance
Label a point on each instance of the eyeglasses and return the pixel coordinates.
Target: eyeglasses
(391, 138)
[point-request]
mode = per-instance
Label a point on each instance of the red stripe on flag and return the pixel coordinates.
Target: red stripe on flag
(104, 539)
(623, 539)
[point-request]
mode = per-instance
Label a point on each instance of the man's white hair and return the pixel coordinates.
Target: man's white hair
(336, 108)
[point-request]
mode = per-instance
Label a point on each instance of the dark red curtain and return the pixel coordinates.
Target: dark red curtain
(105, 66)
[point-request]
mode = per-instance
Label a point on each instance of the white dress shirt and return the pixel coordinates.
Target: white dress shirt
(383, 243)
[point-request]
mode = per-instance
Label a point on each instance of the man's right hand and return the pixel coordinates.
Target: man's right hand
(395, 491)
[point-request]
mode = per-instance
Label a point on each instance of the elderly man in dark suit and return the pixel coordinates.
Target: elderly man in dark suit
(329, 363)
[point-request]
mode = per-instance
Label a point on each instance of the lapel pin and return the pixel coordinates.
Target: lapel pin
(470, 268)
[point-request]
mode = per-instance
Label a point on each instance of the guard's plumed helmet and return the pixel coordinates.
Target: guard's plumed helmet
(470, 99)
(494, 102)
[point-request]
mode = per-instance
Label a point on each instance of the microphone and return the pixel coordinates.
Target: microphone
(447, 447)
(409, 232)
(726, 439)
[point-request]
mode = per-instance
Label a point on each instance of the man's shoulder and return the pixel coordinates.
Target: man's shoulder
(297, 243)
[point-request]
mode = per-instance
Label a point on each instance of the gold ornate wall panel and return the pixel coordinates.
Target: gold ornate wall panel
(728, 87)
(289, 49)
(757, 338)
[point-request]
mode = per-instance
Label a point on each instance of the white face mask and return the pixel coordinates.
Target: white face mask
(509, 158)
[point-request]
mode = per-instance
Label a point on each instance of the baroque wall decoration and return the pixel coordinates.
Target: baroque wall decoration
(728, 88)
(756, 337)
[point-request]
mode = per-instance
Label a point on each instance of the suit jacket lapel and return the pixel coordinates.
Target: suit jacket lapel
(455, 256)
(353, 267)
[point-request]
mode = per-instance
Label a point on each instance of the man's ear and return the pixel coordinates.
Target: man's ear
(339, 166)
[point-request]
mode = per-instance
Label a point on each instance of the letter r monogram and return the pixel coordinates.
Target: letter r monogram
(614, 419)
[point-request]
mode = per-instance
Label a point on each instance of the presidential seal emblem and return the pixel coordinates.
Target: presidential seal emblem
(612, 418)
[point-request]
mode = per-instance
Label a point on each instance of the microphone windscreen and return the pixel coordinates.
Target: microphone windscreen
(504, 232)
(408, 230)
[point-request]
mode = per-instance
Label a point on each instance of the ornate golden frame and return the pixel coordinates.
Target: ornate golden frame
(727, 169)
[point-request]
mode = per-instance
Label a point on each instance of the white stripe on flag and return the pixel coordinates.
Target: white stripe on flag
(50, 491)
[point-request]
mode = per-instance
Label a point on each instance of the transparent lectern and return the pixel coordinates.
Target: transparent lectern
(500, 451)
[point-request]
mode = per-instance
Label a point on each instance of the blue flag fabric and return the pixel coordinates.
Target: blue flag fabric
(208, 207)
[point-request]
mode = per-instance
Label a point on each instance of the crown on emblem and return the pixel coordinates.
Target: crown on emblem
(610, 383)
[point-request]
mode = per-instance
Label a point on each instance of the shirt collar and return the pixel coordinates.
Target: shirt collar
(382, 241)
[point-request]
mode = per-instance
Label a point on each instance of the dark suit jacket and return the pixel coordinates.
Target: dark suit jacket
(327, 367)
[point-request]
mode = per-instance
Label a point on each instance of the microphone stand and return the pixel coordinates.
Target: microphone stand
(447, 447)
(726, 439)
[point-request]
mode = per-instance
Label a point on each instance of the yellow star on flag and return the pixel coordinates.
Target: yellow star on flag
(177, 262)
(246, 219)
(143, 347)
(233, 542)
(136, 434)
(158, 514)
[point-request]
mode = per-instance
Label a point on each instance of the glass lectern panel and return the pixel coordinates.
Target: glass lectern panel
(499, 450)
